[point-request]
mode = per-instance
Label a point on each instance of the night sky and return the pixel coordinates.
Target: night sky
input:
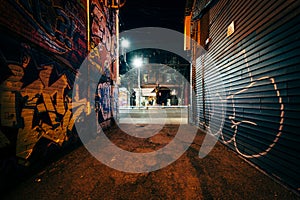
(152, 13)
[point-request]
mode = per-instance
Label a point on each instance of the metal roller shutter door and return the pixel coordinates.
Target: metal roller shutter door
(258, 66)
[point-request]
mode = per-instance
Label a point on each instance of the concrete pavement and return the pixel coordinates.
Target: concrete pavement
(154, 115)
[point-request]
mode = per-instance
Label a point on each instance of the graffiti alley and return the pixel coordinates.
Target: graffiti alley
(149, 99)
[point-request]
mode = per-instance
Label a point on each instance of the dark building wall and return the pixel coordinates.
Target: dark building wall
(43, 44)
(252, 78)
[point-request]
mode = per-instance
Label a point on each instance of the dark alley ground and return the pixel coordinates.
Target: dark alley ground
(220, 175)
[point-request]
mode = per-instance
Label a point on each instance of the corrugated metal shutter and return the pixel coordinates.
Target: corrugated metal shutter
(258, 66)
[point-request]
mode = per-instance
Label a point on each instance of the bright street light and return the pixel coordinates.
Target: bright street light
(125, 43)
(137, 63)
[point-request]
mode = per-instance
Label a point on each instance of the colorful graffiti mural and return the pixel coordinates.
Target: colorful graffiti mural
(43, 44)
(103, 58)
(103, 37)
(55, 25)
(38, 67)
(35, 99)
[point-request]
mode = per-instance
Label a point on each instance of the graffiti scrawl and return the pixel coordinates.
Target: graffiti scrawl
(241, 122)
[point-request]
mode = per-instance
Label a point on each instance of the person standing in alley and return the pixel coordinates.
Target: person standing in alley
(132, 99)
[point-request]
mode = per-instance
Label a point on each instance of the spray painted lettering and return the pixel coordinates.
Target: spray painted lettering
(39, 107)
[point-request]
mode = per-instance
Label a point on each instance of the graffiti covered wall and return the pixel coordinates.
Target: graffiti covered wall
(54, 25)
(43, 44)
(35, 99)
(103, 59)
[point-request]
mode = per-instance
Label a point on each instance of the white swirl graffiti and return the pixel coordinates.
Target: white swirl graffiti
(236, 124)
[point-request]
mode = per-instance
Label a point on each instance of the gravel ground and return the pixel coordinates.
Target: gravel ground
(220, 175)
